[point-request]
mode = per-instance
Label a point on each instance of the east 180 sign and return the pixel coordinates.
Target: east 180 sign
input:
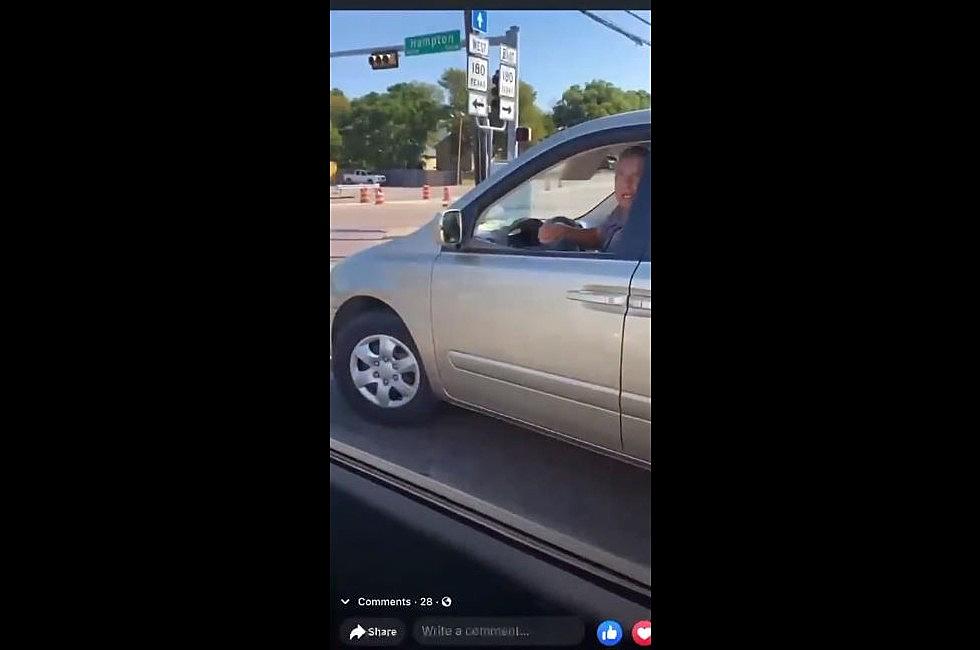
(432, 43)
(508, 81)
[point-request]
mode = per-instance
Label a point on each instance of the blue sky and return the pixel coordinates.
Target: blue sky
(557, 49)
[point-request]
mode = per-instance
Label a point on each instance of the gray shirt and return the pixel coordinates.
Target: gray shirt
(612, 227)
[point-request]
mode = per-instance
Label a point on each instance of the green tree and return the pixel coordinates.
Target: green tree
(339, 106)
(453, 81)
(597, 99)
(541, 123)
(391, 129)
(528, 114)
(336, 143)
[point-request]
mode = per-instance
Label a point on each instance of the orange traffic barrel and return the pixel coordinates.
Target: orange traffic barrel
(379, 196)
(425, 192)
(445, 197)
(364, 196)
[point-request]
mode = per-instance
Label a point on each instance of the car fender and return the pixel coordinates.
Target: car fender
(397, 273)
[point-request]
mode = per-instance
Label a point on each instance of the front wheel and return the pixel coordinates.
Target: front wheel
(379, 370)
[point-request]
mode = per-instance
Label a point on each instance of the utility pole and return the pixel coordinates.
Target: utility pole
(477, 143)
(459, 152)
(513, 37)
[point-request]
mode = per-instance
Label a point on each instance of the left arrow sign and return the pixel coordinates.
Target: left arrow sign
(477, 104)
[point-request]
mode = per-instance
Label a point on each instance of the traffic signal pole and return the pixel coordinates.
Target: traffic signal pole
(369, 50)
(477, 145)
(513, 35)
(484, 148)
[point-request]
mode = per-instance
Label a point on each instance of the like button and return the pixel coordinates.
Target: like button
(609, 633)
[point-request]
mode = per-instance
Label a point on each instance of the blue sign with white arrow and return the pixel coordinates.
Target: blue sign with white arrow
(480, 20)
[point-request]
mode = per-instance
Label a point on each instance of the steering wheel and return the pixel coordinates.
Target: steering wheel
(566, 221)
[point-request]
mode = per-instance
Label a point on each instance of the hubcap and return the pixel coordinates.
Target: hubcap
(385, 371)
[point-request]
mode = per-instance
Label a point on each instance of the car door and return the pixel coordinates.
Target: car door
(636, 399)
(537, 336)
(637, 393)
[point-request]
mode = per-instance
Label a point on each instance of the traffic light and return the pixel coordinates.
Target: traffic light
(494, 108)
(495, 86)
(383, 60)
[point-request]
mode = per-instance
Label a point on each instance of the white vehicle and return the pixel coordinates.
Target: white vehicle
(361, 176)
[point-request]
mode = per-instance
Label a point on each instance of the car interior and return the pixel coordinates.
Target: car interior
(514, 220)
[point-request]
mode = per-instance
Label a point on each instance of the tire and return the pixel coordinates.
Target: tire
(415, 410)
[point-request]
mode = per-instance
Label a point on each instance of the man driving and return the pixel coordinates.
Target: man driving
(629, 171)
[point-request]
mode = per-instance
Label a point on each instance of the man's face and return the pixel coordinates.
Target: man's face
(628, 174)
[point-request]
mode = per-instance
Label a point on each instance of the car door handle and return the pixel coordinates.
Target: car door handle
(597, 297)
(641, 302)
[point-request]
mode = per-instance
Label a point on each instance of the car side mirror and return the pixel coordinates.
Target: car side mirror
(451, 228)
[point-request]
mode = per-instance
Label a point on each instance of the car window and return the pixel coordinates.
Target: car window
(578, 187)
(598, 215)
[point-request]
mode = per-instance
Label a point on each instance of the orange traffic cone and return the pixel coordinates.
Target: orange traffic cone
(379, 196)
(364, 196)
(425, 193)
(445, 197)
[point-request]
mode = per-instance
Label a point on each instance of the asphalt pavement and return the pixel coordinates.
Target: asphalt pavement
(598, 500)
(356, 226)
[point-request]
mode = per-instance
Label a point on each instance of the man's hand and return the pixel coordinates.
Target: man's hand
(584, 238)
(549, 233)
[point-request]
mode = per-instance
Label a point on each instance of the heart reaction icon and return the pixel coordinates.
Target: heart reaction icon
(643, 633)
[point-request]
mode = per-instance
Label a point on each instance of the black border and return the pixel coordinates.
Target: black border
(173, 278)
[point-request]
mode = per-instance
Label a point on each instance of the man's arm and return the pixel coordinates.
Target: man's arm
(586, 238)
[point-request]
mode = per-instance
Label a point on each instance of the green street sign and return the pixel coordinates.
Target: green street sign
(432, 43)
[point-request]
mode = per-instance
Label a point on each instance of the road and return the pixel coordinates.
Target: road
(355, 226)
(595, 499)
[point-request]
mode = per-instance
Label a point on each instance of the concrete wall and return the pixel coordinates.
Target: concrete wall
(418, 177)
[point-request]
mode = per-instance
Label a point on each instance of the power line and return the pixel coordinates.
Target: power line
(603, 21)
(640, 18)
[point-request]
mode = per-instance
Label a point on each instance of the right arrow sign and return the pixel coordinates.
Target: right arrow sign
(477, 104)
(507, 110)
